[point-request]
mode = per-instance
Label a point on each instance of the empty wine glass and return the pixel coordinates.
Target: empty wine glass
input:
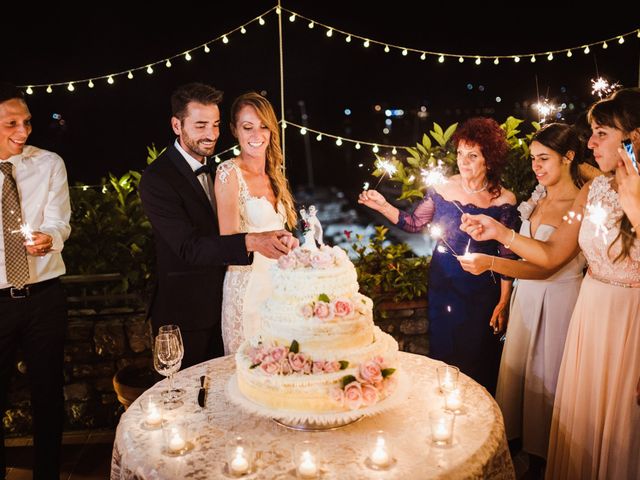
(175, 329)
(166, 361)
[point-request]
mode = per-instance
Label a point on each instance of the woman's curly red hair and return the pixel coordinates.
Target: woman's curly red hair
(492, 140)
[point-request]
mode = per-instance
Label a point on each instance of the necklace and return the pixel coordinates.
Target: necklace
(470, 191)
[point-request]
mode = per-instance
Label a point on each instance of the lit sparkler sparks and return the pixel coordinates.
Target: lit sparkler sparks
(545, 109)
(601, 87)
(434, 175)
(436, 232)
(26, 231)
(387, 168)
(597, 215)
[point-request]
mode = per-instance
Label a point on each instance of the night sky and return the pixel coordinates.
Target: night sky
(107, 128)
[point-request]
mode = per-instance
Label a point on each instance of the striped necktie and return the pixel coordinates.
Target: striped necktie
(15, 254)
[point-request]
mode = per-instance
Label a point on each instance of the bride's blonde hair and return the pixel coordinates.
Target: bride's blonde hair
(274, 164)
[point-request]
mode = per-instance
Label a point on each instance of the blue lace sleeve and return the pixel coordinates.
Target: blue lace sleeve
(419, 218)
(510, 218)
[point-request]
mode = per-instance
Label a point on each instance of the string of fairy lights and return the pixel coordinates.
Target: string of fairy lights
(331, 32)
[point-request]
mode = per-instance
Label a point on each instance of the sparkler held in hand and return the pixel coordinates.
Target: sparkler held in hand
(387, 167)
(27, 233)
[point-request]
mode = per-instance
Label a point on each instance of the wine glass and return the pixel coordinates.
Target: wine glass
(166, 361)
(175, 329)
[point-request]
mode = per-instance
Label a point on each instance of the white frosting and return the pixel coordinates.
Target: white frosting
(304, 281)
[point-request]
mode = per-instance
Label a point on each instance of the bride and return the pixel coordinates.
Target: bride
(252, 195)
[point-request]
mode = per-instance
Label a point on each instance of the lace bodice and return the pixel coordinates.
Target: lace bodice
(256, 213)
(595, 238)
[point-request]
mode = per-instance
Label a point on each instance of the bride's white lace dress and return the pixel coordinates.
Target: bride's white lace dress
(247, 287)
(595, 431)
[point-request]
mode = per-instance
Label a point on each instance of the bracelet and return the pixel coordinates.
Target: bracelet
(493, 259)
(513, 237)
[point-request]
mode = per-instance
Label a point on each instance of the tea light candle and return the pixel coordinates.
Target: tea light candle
(176, 443)
(380, 456)
(154, 417)
(447, 382)
(454, 400)
(239, 465)
(307, 467)
(441, 433)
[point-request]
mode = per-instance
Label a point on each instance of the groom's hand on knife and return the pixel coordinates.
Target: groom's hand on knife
(271, 244)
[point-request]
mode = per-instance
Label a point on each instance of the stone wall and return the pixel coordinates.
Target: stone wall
(100, 340)
(407, 322)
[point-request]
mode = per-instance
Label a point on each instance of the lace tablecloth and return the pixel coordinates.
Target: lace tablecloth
(479, 449)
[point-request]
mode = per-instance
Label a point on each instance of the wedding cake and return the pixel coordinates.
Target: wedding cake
(318, 350)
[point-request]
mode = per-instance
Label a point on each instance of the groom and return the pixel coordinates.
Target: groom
(177, 196)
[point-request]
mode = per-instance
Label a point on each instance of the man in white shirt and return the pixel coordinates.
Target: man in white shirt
(34, 223)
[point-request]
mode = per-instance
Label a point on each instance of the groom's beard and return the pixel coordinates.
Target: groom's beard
(197, 147)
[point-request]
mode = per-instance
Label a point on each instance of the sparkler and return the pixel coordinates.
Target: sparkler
(601, 87)
(26, 231)
(598, 216)
(387, 168)
(434, 175)
(545, 109)
(436, 232)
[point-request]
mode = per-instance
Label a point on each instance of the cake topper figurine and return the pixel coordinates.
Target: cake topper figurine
(311, 228)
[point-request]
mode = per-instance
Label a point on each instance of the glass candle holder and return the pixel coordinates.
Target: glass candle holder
(177, 437)
(152, 411)
(239, 452)
(441, 427)
(447, 377)
(380, 453)
(454, 401)
(306, 458)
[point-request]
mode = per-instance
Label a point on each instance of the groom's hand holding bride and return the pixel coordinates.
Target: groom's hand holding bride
(272, 244)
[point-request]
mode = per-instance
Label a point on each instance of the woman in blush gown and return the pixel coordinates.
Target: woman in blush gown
(541, 306)
(252, 195)
(596, 416)
(467, 313)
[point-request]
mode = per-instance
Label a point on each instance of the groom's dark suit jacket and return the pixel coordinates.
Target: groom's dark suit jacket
(191, 255)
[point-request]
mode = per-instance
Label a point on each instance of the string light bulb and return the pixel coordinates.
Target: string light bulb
(166, 64)
(478, 61)
(330, 32)
(424, 56)
(386, 49)
(236, 151)
(49, 89)
(339, 142)
(533, 59)
(277, 10)
(110, 80)
(187, 57)
(358, 147)
(206, 48)
(130, 75)
(366, 44)
(586, 49)
(29, 90)
(516, 59)
(319, 137)
(550, 56)
(149, 69)
(440, 58)
(605, 45)
(375, 149)
(394, 151)
(303, 131)
(90, 84)
(311, 24)
(461, 59)
(70, 87)
(225, 39)
(569, 53)
(620, 39)
(261, 21)
(405, 52)
(243, 30)
(348, 39)
(292, 17)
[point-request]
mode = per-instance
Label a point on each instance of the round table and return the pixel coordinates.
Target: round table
(479, 449)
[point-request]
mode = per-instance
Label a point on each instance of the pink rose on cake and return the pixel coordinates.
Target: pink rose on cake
(353, 395)
(320, 259)
(323, 310)
(297, 361)
(343, 307)
(370, 395)
(370, 372)
(336, 394)
(287, 262)
(307, 310)
(270, 367)
(303, 257)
